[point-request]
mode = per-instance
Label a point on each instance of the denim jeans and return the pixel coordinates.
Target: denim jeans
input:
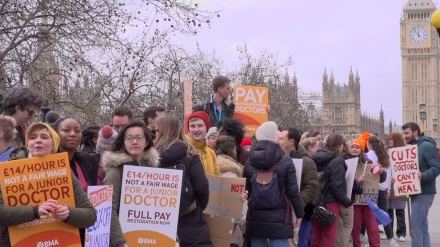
(261, 242)
(420, 205)
(305, 233)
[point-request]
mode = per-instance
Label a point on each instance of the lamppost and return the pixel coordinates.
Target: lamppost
(422, 113)
(44, 110)
(435, 20)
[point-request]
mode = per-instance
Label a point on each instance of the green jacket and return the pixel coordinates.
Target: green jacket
(112, 164)
(309, 175)
(429, 164)
(83, 215)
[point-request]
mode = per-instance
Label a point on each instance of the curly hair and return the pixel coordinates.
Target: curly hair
(7, 126)
(225, 145)
(23, 97)
(379, 149)
(233, 128)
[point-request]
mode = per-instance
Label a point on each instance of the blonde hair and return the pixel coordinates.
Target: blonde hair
(7, 126)
(170, 132)
(309, 142)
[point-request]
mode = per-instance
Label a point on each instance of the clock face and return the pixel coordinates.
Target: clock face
(418, 35)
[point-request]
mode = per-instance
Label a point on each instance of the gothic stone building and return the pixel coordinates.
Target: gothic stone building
(341, 109)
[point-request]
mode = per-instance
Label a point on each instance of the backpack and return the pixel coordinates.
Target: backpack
(187, 198)
(266, 193)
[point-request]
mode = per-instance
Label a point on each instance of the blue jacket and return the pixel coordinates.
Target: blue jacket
(429, 164)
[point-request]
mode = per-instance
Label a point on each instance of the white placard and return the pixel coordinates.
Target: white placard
(298, 163)
(350, 174)
(405, 167)
(149, 209)
(101, 199)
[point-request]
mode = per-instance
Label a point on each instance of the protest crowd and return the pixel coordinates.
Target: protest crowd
(298, 189)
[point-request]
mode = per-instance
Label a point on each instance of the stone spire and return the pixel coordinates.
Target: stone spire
(332, 79)
(294, 79)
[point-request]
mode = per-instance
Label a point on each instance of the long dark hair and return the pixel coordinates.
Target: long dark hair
(119, 144)
(379, 149)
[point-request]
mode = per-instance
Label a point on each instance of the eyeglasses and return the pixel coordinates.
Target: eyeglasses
(132, 138)
(31, 112)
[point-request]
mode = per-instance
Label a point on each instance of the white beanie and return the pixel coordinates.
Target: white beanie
(212, 130)
(106, 137)
(267, 131)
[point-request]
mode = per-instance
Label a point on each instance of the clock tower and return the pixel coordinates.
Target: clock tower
(419, 45)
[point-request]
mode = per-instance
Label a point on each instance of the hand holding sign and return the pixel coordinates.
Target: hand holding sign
(47, 207)
(62, 212)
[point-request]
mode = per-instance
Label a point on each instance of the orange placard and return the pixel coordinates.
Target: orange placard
(251, 106)
(187, 99)
(31, 182)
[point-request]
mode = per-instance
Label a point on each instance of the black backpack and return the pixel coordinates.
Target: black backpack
(266, 192)
(187, 197)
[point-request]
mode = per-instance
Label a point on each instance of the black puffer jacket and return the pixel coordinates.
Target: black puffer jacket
(270, 223)
(334, 165)
(192, 229)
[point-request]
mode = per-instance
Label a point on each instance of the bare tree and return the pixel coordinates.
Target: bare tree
(52, 45)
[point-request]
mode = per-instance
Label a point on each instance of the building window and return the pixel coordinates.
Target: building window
(338, 114)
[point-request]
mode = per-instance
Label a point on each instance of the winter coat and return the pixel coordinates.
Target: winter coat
(112, 163)
(84, 161)
(228, 109)
(429, 164)
(334, 165)
(83, 215)
(271, 223)
(309, 175)
(18, 139)
(192, 229)
(229, 167)
(242, 155)
(309, 180)
(207, 156)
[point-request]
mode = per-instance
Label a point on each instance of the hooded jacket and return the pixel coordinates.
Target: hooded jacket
(334, 165)
(83, 215)
(270, 223)
(192, 229)
(429, 164)
(111, 163)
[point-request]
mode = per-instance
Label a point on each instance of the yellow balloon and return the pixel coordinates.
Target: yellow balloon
(435, 18)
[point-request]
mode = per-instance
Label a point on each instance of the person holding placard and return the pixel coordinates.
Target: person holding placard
(429, 169)
(330, 161)
(378, 154)
(397, 204)
(362, 214)
(192, 229)
(42, 140)
(133, 146)
(289, 140)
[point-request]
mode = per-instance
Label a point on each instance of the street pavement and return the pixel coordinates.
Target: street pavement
(434, 224)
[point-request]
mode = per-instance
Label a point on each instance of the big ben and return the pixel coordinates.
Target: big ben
(419, 44)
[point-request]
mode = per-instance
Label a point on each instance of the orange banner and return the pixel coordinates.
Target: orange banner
(31, 182)
(251, 106)
(187, 98)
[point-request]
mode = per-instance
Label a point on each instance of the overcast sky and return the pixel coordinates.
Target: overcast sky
(322, 34)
